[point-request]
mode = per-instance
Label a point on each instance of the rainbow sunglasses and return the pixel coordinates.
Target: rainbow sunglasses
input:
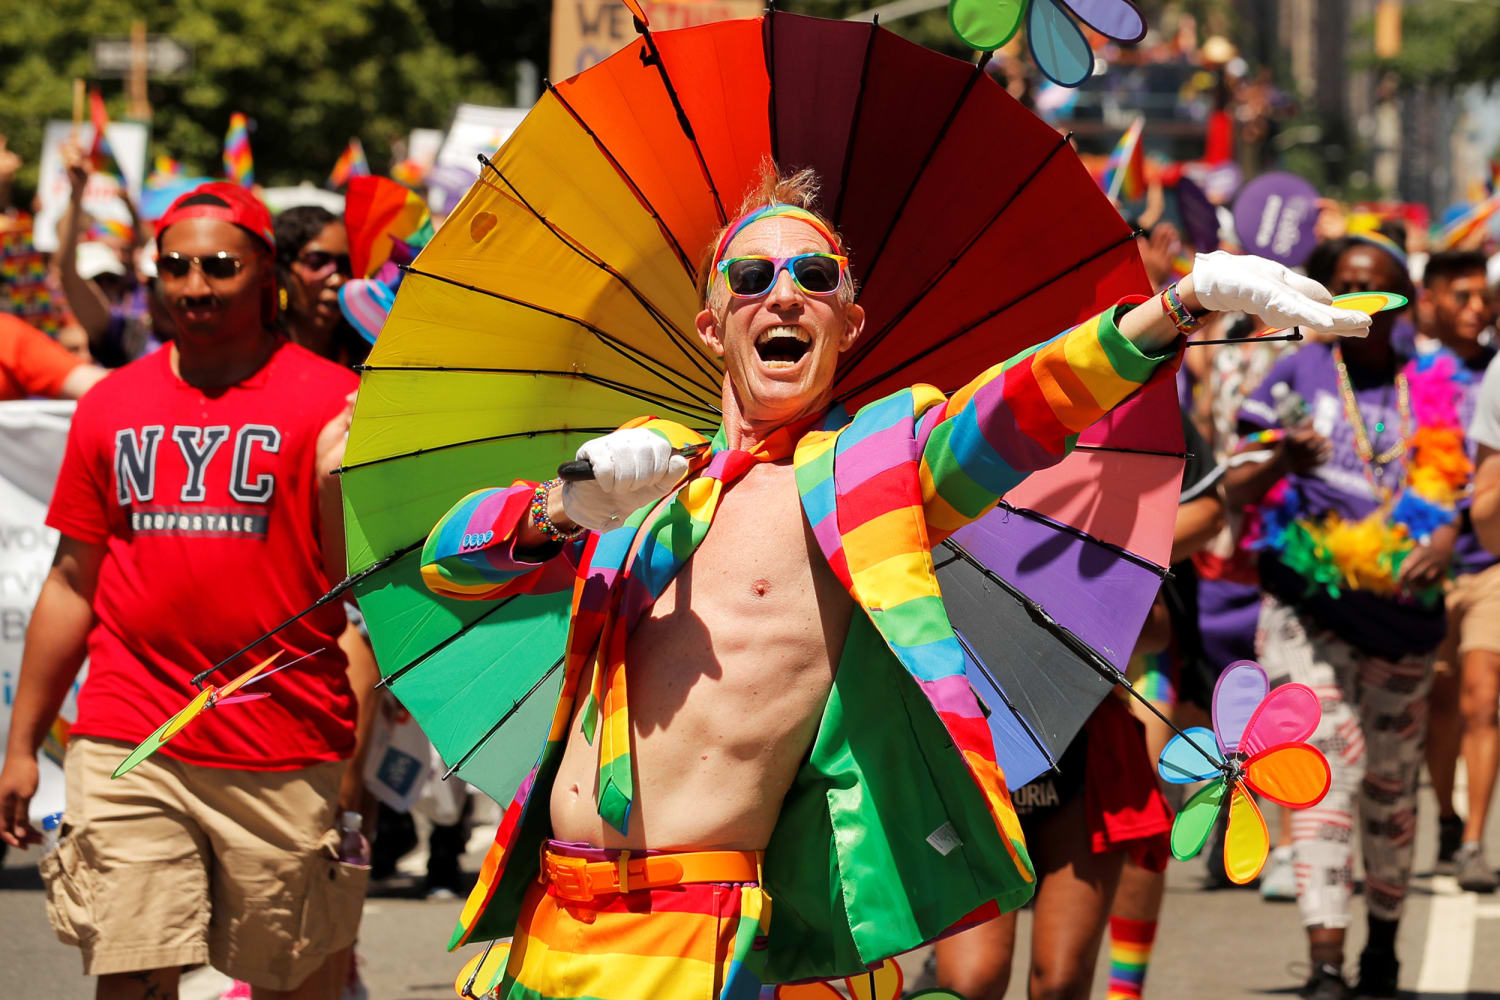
(814, 273)
(752, 276)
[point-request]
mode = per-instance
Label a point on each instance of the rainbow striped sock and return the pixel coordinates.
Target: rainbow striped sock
(1129, 954)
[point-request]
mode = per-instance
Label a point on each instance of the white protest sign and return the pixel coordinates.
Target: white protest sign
(102, 195)
(33, 434)
(477, 129)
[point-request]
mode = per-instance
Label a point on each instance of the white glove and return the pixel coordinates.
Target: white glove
(632, 468)
(1226, 282)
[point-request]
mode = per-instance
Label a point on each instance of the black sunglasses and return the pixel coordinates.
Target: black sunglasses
(220, 265)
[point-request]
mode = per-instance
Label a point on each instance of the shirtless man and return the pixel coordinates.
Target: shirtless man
(775, 737)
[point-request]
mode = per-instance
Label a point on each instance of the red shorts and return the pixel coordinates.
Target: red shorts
(1125, 806)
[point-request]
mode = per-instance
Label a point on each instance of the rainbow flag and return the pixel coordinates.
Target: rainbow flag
(101, 156)
(409, 172)
(102, 228)
(1125, 173)
(1461, 228)
(351, 163)
(239, 166)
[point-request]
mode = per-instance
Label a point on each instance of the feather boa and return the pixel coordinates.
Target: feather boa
(1332, 553)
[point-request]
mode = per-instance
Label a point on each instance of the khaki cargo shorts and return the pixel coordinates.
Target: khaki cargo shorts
(1473, 617)
(175, 864)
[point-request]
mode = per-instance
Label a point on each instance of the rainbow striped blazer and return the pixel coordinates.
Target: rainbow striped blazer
(899, 824)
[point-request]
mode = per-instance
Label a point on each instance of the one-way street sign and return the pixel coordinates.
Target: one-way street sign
(165, 56)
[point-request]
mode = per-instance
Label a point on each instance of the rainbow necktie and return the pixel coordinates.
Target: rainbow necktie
(669, 543)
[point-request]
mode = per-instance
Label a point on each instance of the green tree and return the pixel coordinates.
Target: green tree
(1448, 42)
(308, 75)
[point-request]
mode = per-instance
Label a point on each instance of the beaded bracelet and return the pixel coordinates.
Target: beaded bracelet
(1181, 318)
(542, 522)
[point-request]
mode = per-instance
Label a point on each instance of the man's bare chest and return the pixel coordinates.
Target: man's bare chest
(759, 560)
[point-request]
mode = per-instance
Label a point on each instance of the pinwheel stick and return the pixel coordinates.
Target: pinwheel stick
(580, 470)
(1292, 337)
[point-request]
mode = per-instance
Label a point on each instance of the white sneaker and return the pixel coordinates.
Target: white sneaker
(1278, 883)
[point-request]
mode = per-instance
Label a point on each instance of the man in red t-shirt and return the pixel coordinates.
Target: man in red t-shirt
(191, 503)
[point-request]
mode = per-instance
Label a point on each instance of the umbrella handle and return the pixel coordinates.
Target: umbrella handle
(579, 470)
(575, 471)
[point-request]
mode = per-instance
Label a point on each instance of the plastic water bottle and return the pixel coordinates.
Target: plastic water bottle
(354, 848)
(51, 825)
(1291, 408)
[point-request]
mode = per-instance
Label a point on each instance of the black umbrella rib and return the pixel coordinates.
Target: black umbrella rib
(338, 589)
(983, 669)
(868, 344)
(1088, 654)
(402, 671)
(963, 97)
(631, 354)
(620, 387)
(768, 46)
(480, 440)
(859, 103)
(514, 708)
(682, 257)
(1132, 451)
(944, 342)
(674, 335)
(653, 58)
(1069, 529)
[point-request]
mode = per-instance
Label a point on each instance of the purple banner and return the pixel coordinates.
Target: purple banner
(1200, 220)
(1275, 215)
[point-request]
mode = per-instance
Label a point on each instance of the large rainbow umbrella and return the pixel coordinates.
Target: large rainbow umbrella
(557, 301)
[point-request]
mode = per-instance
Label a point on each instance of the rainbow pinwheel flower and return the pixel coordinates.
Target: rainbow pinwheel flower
(1057, 44)
(1258, 740)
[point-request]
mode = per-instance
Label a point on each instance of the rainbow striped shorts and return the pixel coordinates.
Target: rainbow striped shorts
(695, 941)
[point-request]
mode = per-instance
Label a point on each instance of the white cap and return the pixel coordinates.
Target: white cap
(95, 258)
(145, 260)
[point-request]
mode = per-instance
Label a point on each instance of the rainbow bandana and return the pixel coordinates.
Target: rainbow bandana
(771, 211)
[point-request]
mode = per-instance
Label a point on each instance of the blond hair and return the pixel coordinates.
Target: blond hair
(772, 187)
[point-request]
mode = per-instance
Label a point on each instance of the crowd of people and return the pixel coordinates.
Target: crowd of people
(1338, 523)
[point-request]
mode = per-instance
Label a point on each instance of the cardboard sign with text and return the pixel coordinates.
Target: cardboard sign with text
(585, 32)
(101, 197)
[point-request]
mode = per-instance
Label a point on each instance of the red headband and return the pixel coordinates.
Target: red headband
(240, 208)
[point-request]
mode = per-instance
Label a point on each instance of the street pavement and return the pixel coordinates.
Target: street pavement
(1220, 944)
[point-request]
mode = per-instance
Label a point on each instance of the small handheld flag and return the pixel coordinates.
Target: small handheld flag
(351, 163)
(1463, 227)
(101, 157)
(1125, 173)
(239, 166)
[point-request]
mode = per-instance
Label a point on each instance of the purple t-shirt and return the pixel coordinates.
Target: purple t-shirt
(1379, 625)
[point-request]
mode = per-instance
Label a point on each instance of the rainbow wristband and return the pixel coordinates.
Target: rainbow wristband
(542, 522)
(1181, 318)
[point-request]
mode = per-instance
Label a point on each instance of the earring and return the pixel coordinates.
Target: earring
(281, 297)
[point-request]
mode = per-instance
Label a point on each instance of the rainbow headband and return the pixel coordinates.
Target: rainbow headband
(1381, 241)
(771, 211)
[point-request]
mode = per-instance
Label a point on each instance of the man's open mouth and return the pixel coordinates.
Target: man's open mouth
(782, 346)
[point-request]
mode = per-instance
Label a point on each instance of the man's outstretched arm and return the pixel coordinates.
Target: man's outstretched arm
(1026, 413)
